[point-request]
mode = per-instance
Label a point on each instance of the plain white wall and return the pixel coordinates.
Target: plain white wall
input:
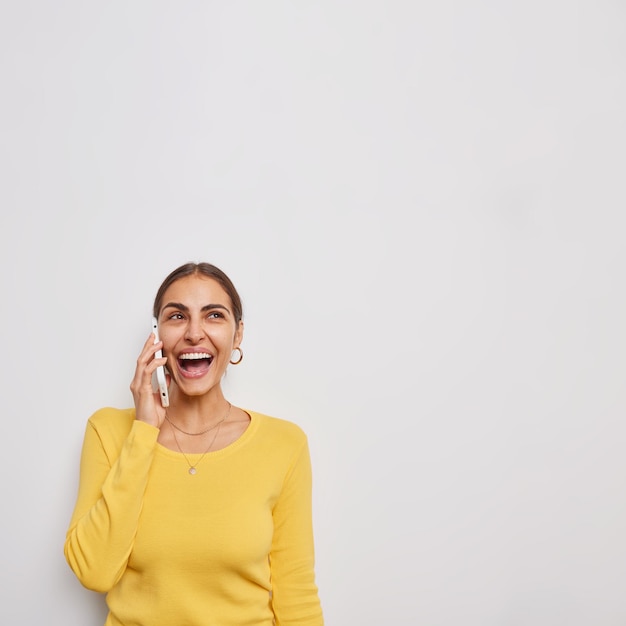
(422, 205)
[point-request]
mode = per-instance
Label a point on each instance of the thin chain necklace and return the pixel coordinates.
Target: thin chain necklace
(192, 467)
(202, 432)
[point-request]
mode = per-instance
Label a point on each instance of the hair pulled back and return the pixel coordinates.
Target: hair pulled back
(200, 269)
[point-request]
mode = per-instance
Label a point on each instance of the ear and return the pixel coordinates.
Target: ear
(238, 338)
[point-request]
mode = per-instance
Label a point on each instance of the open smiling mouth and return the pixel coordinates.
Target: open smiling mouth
(195, 363)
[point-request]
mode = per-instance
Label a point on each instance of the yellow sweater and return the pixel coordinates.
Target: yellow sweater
(229, 546)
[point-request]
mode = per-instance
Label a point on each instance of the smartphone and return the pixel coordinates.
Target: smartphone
(160, 371)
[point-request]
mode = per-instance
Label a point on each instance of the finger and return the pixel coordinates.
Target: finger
(144, 372)
(147, 364)
(147, 354)
(149, 348)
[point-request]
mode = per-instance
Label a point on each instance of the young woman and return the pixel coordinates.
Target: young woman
(196, 514)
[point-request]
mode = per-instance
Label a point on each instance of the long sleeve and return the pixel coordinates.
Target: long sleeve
(229, 545)
(295, 595)
(114, 471)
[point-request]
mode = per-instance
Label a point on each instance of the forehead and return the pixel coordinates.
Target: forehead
(196, 290)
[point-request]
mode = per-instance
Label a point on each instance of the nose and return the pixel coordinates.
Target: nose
(193, 332)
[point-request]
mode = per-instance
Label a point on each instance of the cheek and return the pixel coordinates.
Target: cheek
(222, 338)
(169, 339)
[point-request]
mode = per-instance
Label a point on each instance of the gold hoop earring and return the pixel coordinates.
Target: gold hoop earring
(240, 359)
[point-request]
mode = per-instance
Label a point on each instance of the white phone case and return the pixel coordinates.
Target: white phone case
(160, 371)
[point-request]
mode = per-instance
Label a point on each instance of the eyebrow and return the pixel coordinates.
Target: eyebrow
(185, 309)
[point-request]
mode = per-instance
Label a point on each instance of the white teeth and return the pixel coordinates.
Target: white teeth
(192, 356)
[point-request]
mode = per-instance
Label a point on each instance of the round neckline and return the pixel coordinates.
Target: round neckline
(231, 447)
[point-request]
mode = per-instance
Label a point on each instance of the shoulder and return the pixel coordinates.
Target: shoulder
(112, 425)
(282, 446)
(111, 417)
(279, 431)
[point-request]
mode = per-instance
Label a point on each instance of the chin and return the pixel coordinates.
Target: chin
(195, 388)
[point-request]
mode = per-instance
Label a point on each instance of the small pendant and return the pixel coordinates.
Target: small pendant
(192, 470)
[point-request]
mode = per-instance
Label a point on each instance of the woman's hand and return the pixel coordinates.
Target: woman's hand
(147, 401)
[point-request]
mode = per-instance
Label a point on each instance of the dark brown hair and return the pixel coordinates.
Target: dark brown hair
(202, 269)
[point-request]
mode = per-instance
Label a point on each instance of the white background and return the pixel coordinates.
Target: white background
(422, 205)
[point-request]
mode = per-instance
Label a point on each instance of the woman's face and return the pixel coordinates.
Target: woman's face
(199, 333)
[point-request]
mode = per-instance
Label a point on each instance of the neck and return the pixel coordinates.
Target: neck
(196, 413)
